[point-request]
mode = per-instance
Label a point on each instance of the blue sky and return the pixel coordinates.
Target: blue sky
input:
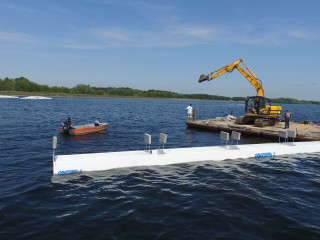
(164, 44)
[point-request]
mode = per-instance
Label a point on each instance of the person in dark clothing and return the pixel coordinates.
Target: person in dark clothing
(287, 118)
(67, 125)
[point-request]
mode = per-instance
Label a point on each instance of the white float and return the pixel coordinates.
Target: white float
(67, 164)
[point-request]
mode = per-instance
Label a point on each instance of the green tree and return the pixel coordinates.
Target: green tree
(24, 85)
(8, 84)
(83, 89)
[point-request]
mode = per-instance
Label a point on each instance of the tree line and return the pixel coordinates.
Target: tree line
(23, 85)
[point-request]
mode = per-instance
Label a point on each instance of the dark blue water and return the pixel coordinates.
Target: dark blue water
(239, 199)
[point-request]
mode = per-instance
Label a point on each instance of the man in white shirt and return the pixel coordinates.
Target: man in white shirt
(190, 112)
(97, 122)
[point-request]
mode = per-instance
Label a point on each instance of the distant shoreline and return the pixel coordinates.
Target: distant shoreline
(68, 95)
(98, 96)
(23, 87)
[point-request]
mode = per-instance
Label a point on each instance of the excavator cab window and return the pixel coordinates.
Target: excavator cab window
(257, 105)
(263, 106)
(252, 105)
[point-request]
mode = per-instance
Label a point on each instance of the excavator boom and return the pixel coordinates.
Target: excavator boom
(229, 68)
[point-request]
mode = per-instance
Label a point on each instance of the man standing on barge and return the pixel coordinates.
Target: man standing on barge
(287, 118)
(190, 112)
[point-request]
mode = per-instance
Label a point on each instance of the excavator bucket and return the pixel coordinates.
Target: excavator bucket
(203, 78)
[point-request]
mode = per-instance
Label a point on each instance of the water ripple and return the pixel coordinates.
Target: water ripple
(275, 198)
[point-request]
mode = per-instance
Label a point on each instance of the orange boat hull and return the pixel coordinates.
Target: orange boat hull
(86, 129)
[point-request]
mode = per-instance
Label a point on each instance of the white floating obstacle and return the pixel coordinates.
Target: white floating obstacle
(67, 164)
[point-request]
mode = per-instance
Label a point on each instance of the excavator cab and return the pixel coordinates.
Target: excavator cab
(260, 112)
(257, 106)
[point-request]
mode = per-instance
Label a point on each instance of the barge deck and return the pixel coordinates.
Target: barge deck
(227, 124)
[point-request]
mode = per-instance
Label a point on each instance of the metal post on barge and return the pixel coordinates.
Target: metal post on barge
(194, 114)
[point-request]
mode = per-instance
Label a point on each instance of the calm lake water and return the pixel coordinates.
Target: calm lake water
(239, 199)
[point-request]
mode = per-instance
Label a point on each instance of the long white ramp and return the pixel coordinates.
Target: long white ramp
(67, 164)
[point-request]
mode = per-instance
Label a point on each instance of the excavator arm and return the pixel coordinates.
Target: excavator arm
(229, 68)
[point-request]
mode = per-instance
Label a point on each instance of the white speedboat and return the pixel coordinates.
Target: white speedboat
(36, 97)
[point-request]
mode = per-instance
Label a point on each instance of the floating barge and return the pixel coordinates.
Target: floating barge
(227, 124)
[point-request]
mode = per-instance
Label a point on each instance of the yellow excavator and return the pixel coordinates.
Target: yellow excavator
(258, 108)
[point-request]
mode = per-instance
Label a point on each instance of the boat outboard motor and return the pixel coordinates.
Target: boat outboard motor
(66, 129)
(67, 126)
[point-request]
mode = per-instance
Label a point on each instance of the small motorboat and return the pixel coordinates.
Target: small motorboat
(86, 129)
